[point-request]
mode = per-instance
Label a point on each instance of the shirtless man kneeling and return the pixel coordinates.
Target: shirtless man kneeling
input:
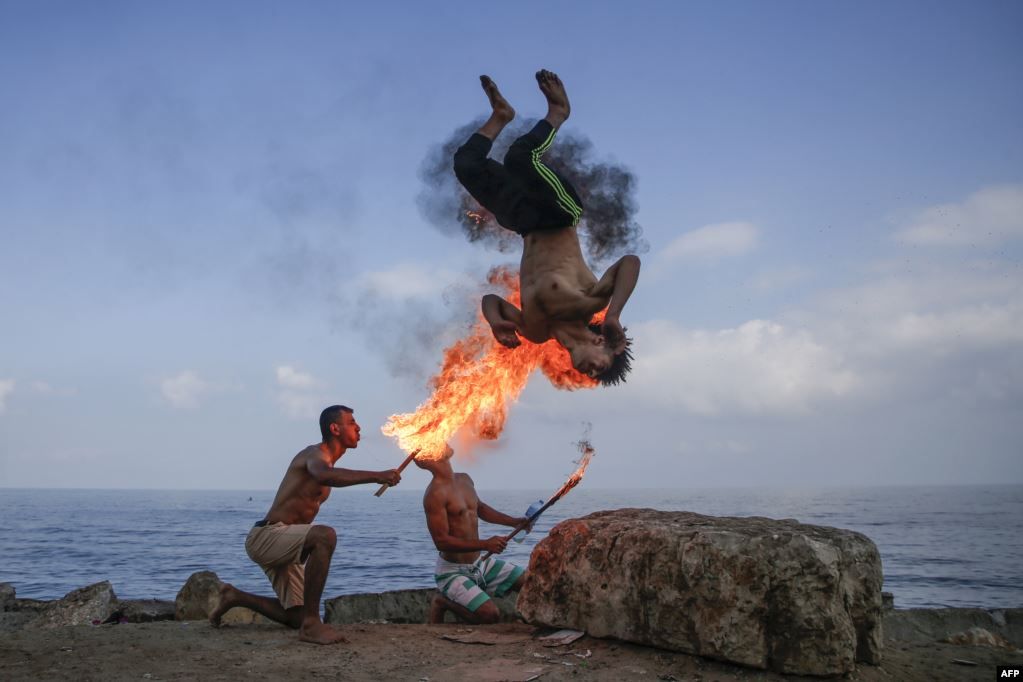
(453, 510)
(294, 553)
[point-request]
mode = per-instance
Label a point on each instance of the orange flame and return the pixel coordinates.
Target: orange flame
(587, 454)
(477, 381)
(577, 475)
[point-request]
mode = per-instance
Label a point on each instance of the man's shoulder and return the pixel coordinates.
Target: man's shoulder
(310, 452)
(436, 491)
(313, 449)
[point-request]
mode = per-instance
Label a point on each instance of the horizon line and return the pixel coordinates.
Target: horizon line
(805, 486)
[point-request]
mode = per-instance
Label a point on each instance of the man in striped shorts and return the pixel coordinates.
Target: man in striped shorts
(560, 294)
(465, 584)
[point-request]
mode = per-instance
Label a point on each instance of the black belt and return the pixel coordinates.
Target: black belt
(260, 524)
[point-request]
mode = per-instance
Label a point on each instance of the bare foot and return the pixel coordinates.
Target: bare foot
(437, 610)
(553, 89)
(320, 633)
(228, 598)
(503, 111)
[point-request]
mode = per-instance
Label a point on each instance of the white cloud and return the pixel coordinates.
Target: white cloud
(298, 405)
(299, 394)
(757, 367)
(933, 312)
(291, 378)
(184, 390)
(977, 326)
(6, 388)
(406, 280)
(989, 216)
(712, 242)
(782, 278)
(945, 331)
(46, 388)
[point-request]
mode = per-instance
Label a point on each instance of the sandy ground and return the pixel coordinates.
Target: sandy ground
(173, 650)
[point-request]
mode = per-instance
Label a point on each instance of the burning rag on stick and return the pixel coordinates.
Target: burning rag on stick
(587, 454)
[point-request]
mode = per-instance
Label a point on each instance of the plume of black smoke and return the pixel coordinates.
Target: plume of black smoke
(608, 191)
(408, 334)
(449, 207)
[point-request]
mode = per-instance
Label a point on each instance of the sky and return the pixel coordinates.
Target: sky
(209, 231)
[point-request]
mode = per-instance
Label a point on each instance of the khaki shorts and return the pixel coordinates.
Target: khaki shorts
(277, 548)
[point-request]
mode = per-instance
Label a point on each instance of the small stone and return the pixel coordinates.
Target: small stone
(977, 636)
(200, 595)
(144, 610)
(87, 605)
(7, 595)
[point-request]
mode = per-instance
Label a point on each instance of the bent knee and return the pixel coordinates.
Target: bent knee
(519, 158)
(323, 535)
(488, 613)
(467, 163)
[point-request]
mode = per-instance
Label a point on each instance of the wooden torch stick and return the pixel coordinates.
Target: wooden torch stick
(572, 482)
(408, 460)
(522, 526)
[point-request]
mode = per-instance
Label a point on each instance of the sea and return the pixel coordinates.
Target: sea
(949, 546)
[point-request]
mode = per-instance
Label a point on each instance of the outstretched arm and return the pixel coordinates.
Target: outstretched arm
(618, 282)
(504, 318)
(336, 477)
(437, 523)
(491, 515)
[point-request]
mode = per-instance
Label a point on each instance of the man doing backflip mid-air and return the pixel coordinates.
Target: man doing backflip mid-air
(560, 294)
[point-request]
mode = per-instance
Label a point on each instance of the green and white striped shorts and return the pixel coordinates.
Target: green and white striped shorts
(472, 585)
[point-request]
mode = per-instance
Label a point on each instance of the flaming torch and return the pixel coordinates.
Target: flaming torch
(408, 460)
(587, 454)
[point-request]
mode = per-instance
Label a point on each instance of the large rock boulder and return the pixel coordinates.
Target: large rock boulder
(770, 594)
(200, 595)
(85, 606)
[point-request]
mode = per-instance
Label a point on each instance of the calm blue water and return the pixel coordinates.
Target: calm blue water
(940, 546)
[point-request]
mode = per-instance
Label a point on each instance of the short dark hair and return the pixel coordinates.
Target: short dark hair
(329, 416)
(621, 364)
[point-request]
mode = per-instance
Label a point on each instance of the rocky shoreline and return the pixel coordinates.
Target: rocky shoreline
(90, 634)
(98, 605)
(643, 592)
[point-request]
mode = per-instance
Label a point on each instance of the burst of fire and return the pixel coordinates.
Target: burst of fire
(477, 217)
(477, 381)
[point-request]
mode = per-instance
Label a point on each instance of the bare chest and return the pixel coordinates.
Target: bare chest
(462, 508)
(556, 297)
